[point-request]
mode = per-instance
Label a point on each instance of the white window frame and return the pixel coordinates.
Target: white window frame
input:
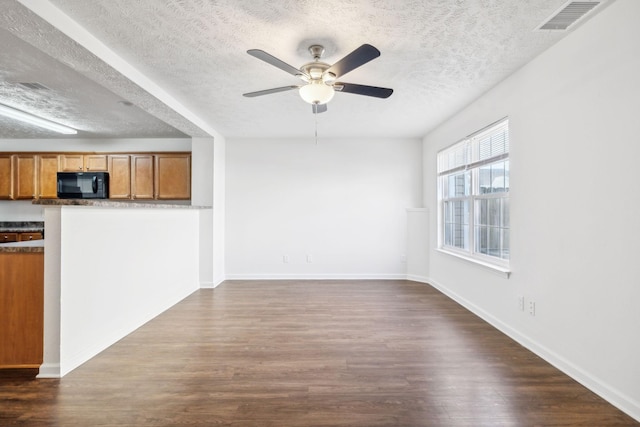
(463, 157)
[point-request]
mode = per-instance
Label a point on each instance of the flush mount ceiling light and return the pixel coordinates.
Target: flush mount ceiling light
(35, 120)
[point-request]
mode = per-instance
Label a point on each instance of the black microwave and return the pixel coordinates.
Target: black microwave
(83, 185)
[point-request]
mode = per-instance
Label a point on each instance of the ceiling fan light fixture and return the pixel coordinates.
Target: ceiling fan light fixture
(317, 93)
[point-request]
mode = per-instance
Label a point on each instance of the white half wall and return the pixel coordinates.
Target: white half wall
(119, 268)
(335, 209)
(574, 206)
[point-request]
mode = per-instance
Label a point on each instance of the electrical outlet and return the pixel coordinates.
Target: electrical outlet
(532, 308)
(521, 303)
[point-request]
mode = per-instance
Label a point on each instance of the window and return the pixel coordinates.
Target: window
(473, 196)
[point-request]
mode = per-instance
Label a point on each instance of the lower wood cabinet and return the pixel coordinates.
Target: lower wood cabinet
(23, 237)
(8, 237)
(21, 309)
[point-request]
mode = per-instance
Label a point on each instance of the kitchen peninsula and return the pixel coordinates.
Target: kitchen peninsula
(110, 267)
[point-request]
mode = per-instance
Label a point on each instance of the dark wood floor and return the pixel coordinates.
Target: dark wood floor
(356, 353)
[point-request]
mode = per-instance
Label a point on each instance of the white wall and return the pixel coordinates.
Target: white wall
(575, 206)
(202, 195)
(343, 202)
(219, 210)
(118, 268)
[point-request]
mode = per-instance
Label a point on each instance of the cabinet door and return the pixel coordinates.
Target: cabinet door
(6, 177)
(71, 163)
(25, 176)
(47, 180)
(95, 163)
(142, 176)
(21, 309)
(119, 176)
(173, 176)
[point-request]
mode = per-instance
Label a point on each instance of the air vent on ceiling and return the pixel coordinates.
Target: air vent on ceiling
(570, 13)
(33, 86)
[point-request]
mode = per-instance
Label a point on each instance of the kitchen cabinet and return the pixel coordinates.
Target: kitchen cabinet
(21, 309)
(71, 163)
(83, 163)
(132, 176)
(47, 171)
(6, 177)
(173, 176)
(142, 176)
(96, 163)
(119, 176)
(25, 176)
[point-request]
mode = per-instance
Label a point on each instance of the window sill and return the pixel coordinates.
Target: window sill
(503, 271)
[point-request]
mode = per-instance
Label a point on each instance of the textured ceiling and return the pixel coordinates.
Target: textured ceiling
(437, 55)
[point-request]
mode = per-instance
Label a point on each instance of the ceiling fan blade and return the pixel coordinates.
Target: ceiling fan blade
(269, 91)
(270, 59)
(358, 57)
(318, 108)
(377, 92)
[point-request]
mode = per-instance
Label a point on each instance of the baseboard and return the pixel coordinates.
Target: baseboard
(316, 277)
(617, 399)
(218, 281)
(49, 370)
(414, 278)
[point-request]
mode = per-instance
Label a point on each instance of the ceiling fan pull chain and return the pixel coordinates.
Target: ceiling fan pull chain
(316, 117)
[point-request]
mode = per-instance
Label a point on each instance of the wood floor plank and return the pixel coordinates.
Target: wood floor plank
(310, 353)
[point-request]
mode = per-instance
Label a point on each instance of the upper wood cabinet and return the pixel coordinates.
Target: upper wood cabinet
(47, 180)
(119, 176)
(137, 176)
(173, 176)
(25, 176)
(142, 176)
(71, 163)
(83, 163)
(6, 177)
(96, 163)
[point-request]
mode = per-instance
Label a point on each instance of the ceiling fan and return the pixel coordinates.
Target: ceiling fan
(319, 78)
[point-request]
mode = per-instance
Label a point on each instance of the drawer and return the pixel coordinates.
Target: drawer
(8, 237)
(29, 236)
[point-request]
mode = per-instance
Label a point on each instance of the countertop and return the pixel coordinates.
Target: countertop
(21, 227)
(28, 246)
(106, 203)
